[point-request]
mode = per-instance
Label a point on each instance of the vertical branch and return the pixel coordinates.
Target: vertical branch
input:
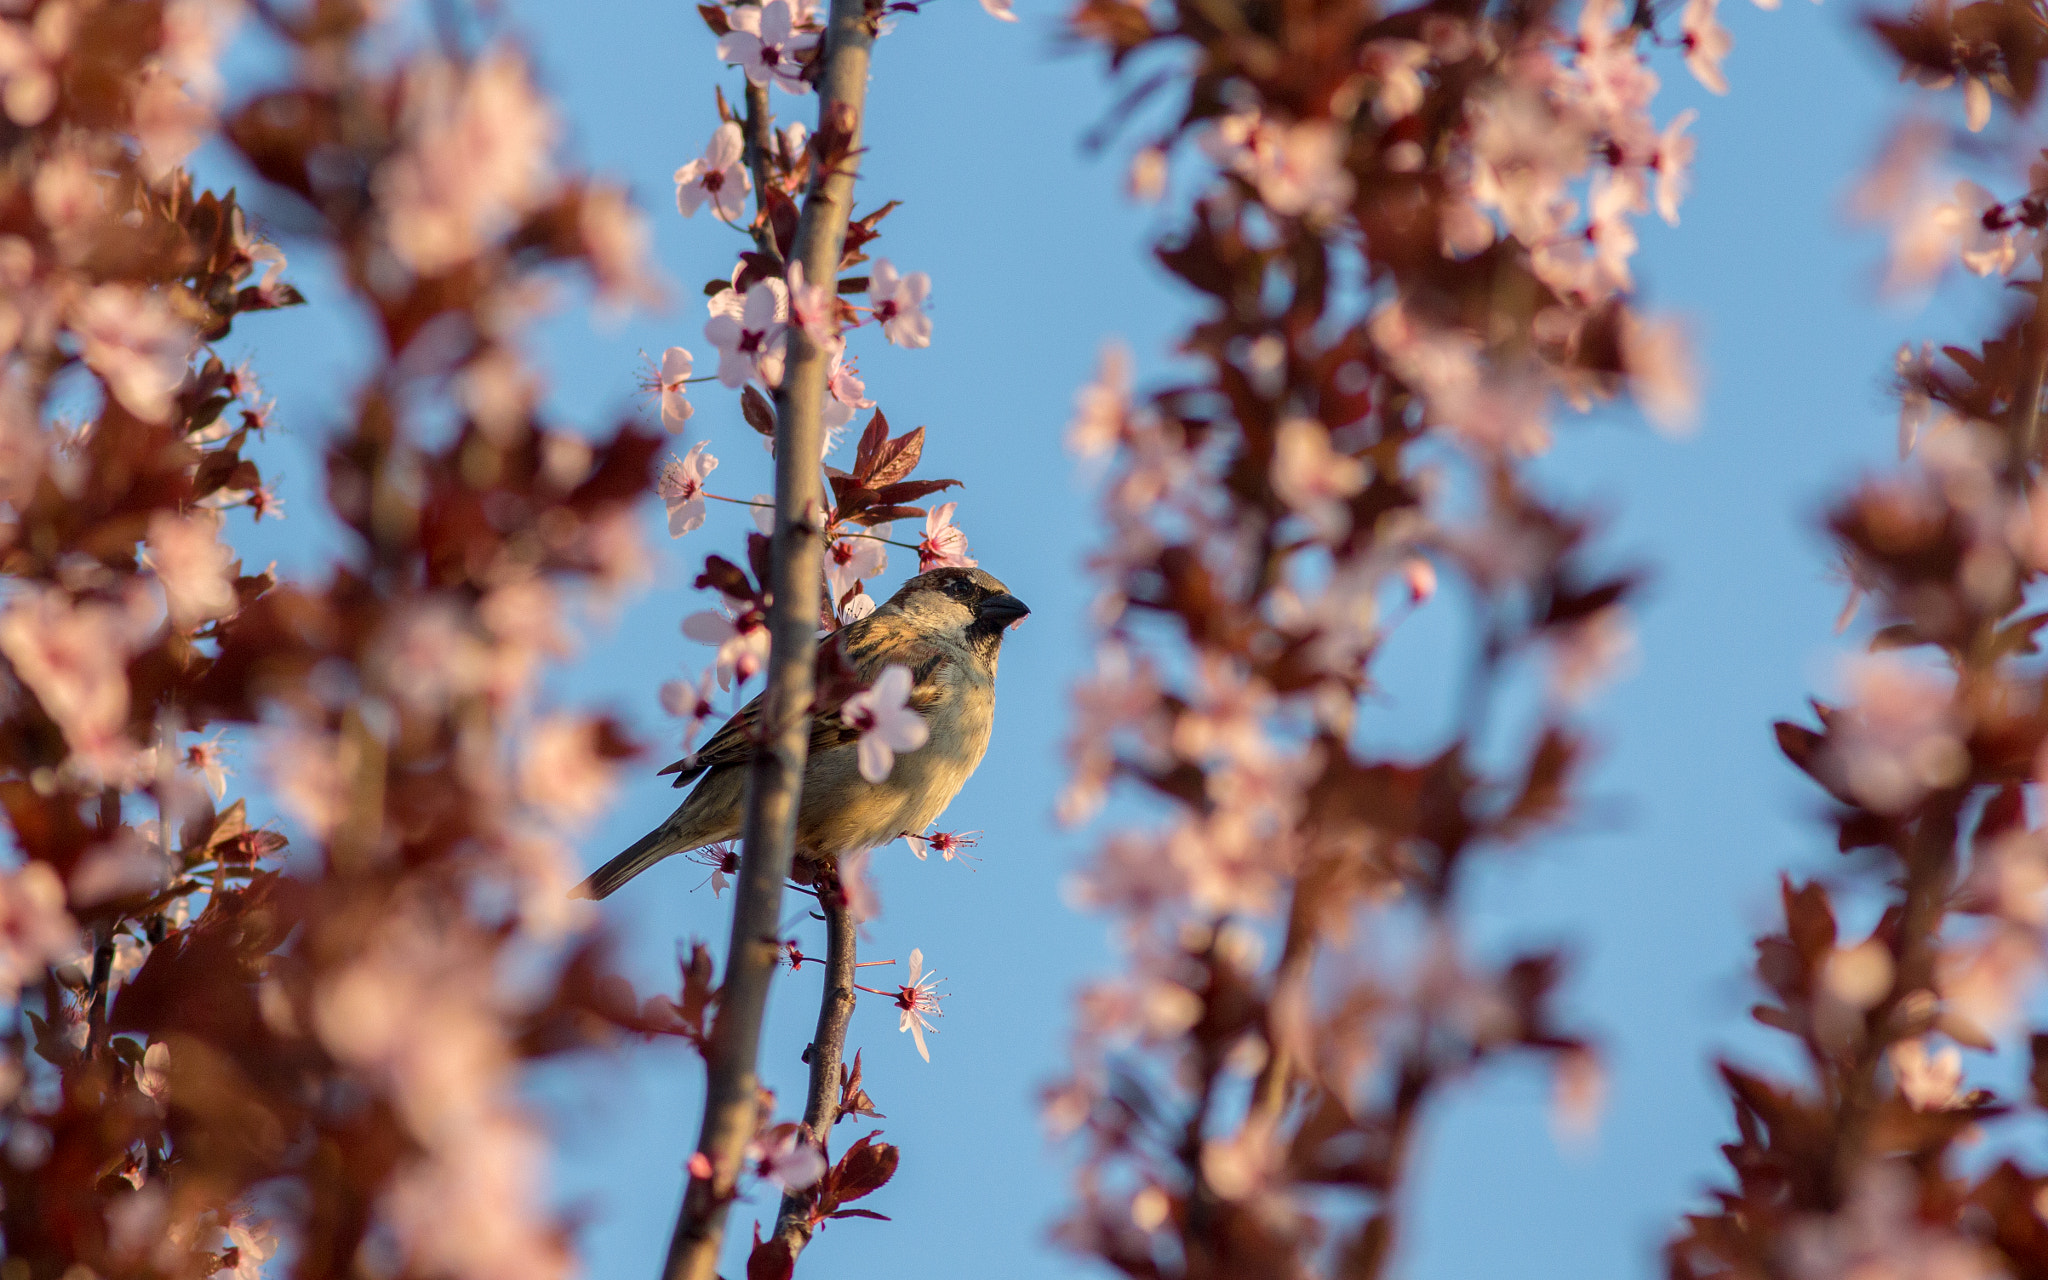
(2026, 403)
(775, 779)
(758, 128)
(828, 1049)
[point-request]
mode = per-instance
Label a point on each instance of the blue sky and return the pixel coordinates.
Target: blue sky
(1036, 259)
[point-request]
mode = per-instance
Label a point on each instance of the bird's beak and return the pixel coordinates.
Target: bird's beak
(1002, 609)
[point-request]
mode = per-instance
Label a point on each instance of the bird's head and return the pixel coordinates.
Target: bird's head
(969, 604)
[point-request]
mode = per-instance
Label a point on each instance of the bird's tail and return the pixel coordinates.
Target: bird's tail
(643, 853)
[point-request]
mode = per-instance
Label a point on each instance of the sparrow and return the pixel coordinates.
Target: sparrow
(947, 627)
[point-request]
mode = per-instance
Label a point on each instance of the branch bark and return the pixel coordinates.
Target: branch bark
(828, 1050)
(775, 780)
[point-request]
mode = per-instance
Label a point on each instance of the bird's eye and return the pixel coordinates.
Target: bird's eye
(959, 588)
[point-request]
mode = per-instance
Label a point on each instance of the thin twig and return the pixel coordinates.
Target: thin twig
(775, 777)
(828, 1049)
(871, 537)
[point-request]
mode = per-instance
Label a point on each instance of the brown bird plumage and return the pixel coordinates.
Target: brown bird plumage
(947, 627)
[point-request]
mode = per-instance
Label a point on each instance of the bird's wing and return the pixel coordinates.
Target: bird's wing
(870, 649)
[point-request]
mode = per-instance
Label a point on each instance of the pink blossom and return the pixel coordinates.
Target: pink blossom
(918, 1004)
(74, 658)
(306, 774)
(68, 199)
(1588, 652)
(718, 176)
(749, 333)
(615, 238)
(690, 704)
(195, 567)
(1314, 480)
(1396, 66)
(268, 287)
(898, 303)
(1989, 240)
(35, 929)
(1672, 164)
(1100, 407)
(206, 759)
(1983, 983)
(475, 159)
(764, 43)
(562, 772)
(944, 545)
(137, 342)
(253, 1242)
(859, 606)
(682, 487)
(676, 364)
(1976, 103)
(169, 121)
(742, 642)
(862, 903)
(850, 560)
(29, 56)
(429, 654)
(999, 9)
(1297, 168)
(1878, 1234)
(1148, 173)
(1706, 42)
(724, 862)
(153, 1073)
(885, 721)
(1928, 1082)
(1898, 737)
(1660, 371)
(849, 396)
(783, 1157)
(1420, 575)
(947, 844)
(813, 309)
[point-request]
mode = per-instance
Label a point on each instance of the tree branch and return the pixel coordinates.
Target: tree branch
(775, 779)
(828, 1049)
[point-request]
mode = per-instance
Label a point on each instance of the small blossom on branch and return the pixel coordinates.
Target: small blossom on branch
(1928, 1082)
(944, 544)
(682, 489)
(690, 704)
(813, 309)
(205, 758)
(782, 1157)
(1706, 42)
(849, 396)
(676, 364)
(742, 642)
(1314, 480)
(898, 302)
(724, 862)
(718, 177)
(153, 1073)
(851, 560)
(885, 721)
(765, 44)
(194, 566)
(947, 844)
(917, 1002)
(252, 1243)
(750, 333)
(35, 928)
(1100, 407)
